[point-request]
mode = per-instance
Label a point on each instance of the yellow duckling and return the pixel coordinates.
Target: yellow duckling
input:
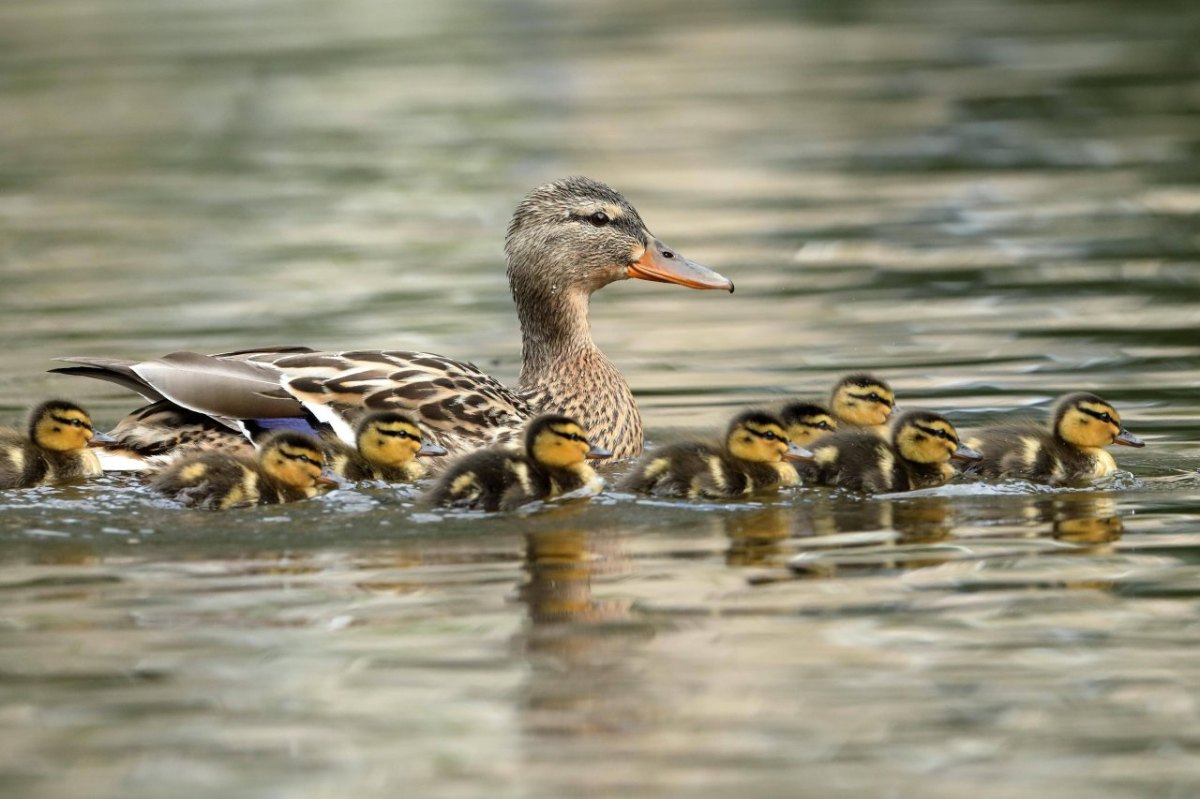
(751, 460)
(55, 450)
(288, 469)
(863, 401)
(498, 478)
(805, 422)
(917, 455)
(388, 445)
(1070, 451)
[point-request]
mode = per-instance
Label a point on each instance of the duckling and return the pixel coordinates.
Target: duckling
(863, 401)
(805, 422)
(498, 478)
(55, 450)
(288, 469)
(1070, 451)
(388, 445)
(916, 456)
(751, 460)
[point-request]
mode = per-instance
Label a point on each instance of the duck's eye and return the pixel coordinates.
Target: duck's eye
(873, 397)
(822, 425)
(1104, 417)
(599, 219)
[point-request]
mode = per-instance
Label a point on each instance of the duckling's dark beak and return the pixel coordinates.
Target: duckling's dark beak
(99, 439)
(598, 452)
(797, 453)
(1128, 439)
(661, 264)
(328, 478)
(430, 450)
(965, 453)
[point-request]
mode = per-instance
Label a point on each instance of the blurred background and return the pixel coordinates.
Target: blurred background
(987, 202)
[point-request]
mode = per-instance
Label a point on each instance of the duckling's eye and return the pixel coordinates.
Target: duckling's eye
(823, 426)
(77, 423)
(599, 219)
(1104, 417)
(873, 397)
(769, 436)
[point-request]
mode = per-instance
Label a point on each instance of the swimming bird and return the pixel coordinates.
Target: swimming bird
(387, 445)
(288, 468)
(566, 240)
(750, 460)
(1070, 450)
(54, 450)
(916, 455)
(553, 463)
(806, 422)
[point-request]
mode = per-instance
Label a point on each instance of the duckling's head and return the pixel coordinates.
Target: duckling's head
(559, 442)
(1085, 420)
(805, 422)
(60, 426)
(760, 437)
(293, 459)
(389, 438)
(862, 400)
(577, 235)
(925, 437)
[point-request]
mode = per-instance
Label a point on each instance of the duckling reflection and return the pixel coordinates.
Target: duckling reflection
(582, 650)
(1086, 519)
(757, 538)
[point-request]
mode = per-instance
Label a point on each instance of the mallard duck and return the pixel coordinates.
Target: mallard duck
(553, 463)
(288, 468)
(1070, 450)
(805, 422)
(387, 447)
(917, 455)
(863, 401)
(566, 240)
(55, 449)
(750, 460)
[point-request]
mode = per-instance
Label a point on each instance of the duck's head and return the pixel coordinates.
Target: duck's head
(1085, 420)
(862, 400)
(295, 460)
(559, 442)
(60, 426)
(760, 437)
(389, 438)
(578, 235)
(925, 437)
(805, 422)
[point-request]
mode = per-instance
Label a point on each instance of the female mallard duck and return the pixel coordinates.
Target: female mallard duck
(863, 401)
(499, 478)
(751, 460)
(387, 447)
(917, 455)
(566, 240)
(1071, 450)
(805, 422)
(288, 469)
(55, 450)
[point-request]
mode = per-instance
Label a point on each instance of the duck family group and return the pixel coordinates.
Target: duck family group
(273, 425)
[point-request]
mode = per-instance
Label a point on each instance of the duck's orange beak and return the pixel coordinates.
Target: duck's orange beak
(661, 264)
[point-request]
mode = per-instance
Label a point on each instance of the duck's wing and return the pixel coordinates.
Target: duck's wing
(457, 403)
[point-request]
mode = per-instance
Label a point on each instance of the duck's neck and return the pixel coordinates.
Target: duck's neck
(555, 332)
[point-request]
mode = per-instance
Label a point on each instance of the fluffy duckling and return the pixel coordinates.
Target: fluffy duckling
(863, 401)
(751, 460)
(288, 469)
(387, 445)
(498, 478)
(55, 449)
(1070, 451)
(917, 455)
(805, 422)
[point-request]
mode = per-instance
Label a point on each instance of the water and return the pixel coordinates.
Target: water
(987, 203)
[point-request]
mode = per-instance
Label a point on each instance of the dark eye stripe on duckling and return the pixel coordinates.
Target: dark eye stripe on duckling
(1103, 416)
(873, 398)
(298, 456)
(933, 431)
(75, 422)
(397, 434)
(569, 436)
(769, 435)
